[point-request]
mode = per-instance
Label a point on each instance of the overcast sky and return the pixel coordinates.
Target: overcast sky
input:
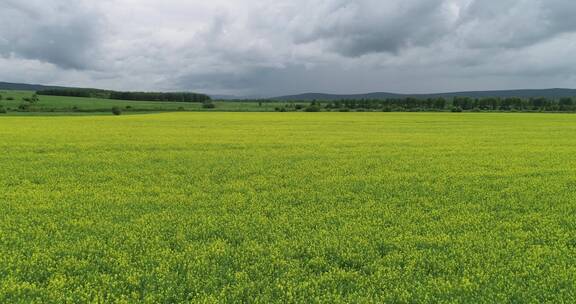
(276, 47)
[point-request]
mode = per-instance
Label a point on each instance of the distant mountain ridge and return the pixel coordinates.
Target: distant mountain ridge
(28, 87)
(525, 93)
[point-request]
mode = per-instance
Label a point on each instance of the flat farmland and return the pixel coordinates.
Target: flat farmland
(288, 207)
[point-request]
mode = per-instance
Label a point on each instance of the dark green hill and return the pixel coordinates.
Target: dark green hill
(106, 94)
(549, 93)
(27, 87)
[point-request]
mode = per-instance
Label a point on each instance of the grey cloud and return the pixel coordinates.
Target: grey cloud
(265, 81)
(275, 47)
(64, 32)
(515, 24)
(356, 28)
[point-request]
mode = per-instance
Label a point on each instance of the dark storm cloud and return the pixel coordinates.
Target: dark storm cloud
(516, 24)
(356, 28)
(63, 33)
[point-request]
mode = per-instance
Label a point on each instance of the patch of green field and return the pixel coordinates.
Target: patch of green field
(288, 207)
(49, 104)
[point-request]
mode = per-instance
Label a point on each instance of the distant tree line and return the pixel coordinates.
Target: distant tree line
(153, 96)
(88, 93)
(136, 96)
(457, 104)
(72, 93)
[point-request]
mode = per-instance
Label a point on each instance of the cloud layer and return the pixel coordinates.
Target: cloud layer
(276, 47)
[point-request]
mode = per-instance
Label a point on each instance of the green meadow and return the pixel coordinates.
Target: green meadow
(288, 208)
(65, 105)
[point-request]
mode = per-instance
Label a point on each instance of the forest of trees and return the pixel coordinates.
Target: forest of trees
(152, 96)
(89, 93)
(397, 104)
(137, 96)
(458, 104)
(73, 93)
